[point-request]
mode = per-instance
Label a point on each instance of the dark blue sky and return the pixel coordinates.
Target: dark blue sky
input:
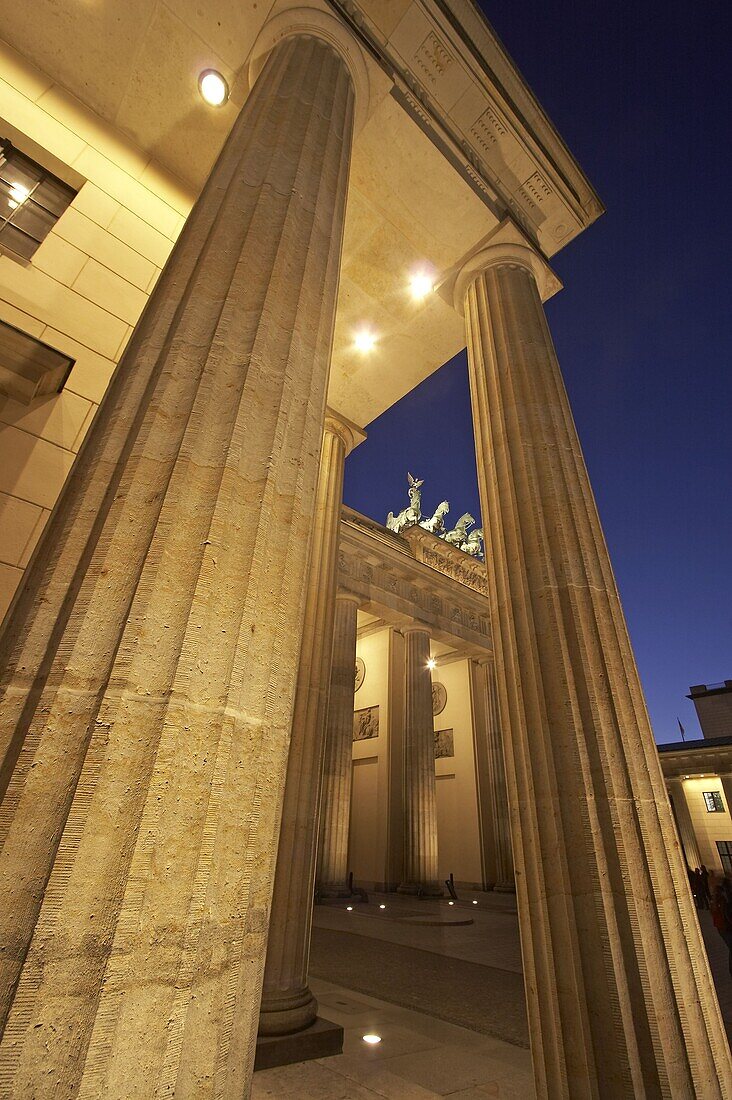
(643, 329)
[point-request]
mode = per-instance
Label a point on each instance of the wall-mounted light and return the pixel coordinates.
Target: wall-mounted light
(213, 88)
(431, 664)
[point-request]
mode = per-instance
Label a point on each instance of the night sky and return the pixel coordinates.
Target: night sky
(643, 329)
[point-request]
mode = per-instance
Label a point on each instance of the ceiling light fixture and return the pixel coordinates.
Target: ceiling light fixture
(18, 193)
(213, 88)
(364, 341)
(420, 285)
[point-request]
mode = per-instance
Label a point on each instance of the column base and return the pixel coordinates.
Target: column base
(321, 1039)
(421, 889)
(505, 888)
(287, 1013)
(333, 890)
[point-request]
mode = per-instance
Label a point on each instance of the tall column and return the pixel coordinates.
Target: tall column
(287, 1003)
(390, 837)
(420, 794)
(619, 992)
(680, 808)
(150, 664)
(495, 834)
(338, 766)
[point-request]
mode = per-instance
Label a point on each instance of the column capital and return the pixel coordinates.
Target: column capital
(313, 22)
(505, 245)
(348, 597)
(413, 628)
(345, 429)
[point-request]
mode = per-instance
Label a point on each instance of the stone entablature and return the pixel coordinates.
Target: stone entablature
(450, 72)
(415, 576)
(447, 559)
(694, 757)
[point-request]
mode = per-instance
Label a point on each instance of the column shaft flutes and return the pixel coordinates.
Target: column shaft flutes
(495, 832)
(287, 1002)
(420, 793)
(684, 822)
(149, 666)
(619, 993)
(338, 765)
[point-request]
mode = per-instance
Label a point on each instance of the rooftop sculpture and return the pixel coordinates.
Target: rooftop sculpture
(470, 543)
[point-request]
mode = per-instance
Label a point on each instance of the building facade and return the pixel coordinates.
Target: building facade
(203, 307)
(699, 781)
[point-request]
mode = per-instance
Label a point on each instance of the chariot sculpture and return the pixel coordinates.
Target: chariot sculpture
(470, 542)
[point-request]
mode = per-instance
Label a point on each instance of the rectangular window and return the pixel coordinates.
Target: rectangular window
(31, 201)
(714, 803)
(724, 847)
(28, 367)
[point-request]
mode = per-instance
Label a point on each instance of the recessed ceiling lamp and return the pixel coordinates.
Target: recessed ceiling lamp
(364, 341)
(431, 664)
(18, 193)
(213, 87)
(420, 285)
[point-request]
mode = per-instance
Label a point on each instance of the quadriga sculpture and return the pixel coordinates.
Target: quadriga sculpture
(436, 525)
(410, 516)
(459, 533)
(473, 544)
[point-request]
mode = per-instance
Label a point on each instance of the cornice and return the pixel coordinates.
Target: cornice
(503, 87)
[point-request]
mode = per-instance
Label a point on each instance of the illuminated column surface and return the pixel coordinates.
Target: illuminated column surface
(287, 1003)
(495, 830)
(338, 766)
(150, 664)
(620, 998)
(420, 794)
(680, 806)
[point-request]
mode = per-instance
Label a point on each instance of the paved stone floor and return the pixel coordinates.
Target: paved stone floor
(418, 1058)
(366, 959)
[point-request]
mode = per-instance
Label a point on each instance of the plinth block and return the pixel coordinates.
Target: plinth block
(321, 1040)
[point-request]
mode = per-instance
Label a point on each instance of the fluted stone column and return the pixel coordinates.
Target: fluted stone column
(150, 664)
(495, 833)
(420, 795)
(619, 993)
(683, 819)
(335, 814)
(287, 1003)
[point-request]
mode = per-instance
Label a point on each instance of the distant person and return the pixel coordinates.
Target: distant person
(722, 915)
(696, 886)
(705, 884)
